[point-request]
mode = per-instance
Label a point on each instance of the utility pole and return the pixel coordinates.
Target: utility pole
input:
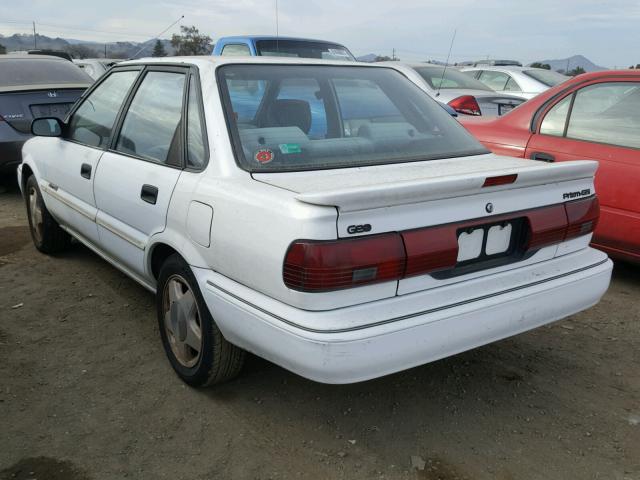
(35, 39)
(393, 55)
(105, 50)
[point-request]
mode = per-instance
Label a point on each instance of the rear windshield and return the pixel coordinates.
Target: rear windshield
(548, 77)
(301, 117)
(452, 79)
(31, 71)
(303, 49)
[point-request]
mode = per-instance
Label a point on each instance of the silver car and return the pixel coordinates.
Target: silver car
(461, 92)
(526, 82)
(95, 67)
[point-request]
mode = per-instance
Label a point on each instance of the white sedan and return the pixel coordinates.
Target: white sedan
(327, 216)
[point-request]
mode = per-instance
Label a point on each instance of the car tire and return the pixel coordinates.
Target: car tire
(46, 234)
(183, 319)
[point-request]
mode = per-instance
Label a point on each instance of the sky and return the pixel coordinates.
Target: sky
(605, 31)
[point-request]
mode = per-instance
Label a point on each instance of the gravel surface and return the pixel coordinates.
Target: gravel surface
(86, 393)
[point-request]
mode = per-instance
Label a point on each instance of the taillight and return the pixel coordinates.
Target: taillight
(558, 223)
(466, 104)
(313, 266)
(430, 249)
(548, 226)
(583, 217)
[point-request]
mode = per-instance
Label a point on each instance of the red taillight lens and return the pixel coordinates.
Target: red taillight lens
(548, 226)
(430, 249)
(558, 223)
(466, 104)
(313, 266)
(583, 217)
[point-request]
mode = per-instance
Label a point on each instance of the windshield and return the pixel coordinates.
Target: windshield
(548, 77)
(16, 72)
(301, 117)
(303, 49)
(452, 79)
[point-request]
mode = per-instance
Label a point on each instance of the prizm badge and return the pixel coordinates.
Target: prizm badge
(52, 94)
(582, 193)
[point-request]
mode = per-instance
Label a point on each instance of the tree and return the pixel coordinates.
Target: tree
(3, 49)
(546, 66)
(191, 42)
(576, 71)
(158, 50)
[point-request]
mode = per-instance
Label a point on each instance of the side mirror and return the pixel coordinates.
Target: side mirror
(46, 127)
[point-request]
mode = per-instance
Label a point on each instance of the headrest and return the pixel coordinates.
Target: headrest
(290, 113)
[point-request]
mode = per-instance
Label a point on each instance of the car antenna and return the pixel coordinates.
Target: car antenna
(447, 63)
(277, 30)
(155, 38)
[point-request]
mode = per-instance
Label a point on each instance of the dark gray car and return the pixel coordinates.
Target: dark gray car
(33, 86)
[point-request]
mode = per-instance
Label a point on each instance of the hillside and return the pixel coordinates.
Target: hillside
(573, 62)
(81, 48)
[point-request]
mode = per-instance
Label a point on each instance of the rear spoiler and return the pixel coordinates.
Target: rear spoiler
(438, 188)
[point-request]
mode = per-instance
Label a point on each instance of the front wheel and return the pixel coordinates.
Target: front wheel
(197, 351)
(46, 234)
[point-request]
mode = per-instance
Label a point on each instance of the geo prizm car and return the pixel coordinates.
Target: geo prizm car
(328, 216)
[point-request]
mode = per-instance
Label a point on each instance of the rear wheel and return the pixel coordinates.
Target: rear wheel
(197, 351)
(47, 235)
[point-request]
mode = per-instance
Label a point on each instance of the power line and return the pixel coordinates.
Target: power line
(68, 27)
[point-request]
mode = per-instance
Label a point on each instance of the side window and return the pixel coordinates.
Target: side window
(512, 86)
(300, 99)
(494, 80)
(92, 123)
(236, 50)
(607, 113)
(195, 135)
(151, 127)
(556, 119)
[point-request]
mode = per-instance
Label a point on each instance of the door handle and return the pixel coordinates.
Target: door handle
(543, 157)
(85, 171)
(149, 194)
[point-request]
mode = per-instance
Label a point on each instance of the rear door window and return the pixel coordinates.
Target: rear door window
(92, 122)
(494, 80)
(152, 125)
(607, 113)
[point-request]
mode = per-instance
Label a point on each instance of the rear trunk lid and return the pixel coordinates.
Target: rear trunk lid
(19, 109)
(491, 204)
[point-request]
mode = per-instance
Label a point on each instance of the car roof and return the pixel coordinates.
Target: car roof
(209, 60)
(273, 37)
(28, 56)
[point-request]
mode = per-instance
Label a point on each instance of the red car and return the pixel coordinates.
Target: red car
(592, 116)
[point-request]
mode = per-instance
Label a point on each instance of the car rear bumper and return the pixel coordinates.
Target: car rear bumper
(335, 346)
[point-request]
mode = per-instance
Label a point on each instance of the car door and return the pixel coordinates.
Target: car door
(601, 121)
(137, 175)
(68, 179)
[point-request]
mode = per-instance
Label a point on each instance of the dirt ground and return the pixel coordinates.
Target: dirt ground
(86, 393)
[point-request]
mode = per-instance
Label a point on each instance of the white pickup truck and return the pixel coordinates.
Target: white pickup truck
(328, 216)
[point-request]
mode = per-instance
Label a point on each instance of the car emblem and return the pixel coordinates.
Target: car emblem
(52, 94)
(489, 207)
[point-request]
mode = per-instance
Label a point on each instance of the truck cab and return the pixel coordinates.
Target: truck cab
(272, 46)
